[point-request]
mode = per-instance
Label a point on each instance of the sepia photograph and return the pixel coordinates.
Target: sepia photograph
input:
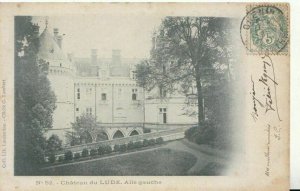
(129, 98)
(145, 96)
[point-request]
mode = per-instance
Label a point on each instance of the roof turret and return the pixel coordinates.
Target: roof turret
(50, 50)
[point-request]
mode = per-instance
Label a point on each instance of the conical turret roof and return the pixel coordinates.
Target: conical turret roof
(49, 49)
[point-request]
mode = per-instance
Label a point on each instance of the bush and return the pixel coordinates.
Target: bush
(93, 152)
(123, 148)
(146, 130)
(61, 158)
(145, 143)
(130, 145)
(101, 149)
(138, 144)
(52, 158)
(159, 140)
(76, 155)
(53, 144)
(68, 155)
(85, 153)
(117, 148)
(205, 134)
(108, 149)
(152, 142)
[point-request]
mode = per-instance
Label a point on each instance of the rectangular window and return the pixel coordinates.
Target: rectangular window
(162, 92)
(89, 111)
(163, 115)
(78, 93)
(77, 109)
(133, 75)
(103, 96)
(134, 95)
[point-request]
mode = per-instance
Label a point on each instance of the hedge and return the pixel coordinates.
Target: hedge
(52, 157)
(138, 144)
(152, 142)
(145, 143)
(93, 152)
(117, 148)
(101, 149)
(159, 140)
(77, 155)
(68, 155)
(85, 153)
(108, 149)
(123, 148)
(130, 145)
(61, 158)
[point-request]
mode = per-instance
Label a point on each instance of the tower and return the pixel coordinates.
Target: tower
(61, 76)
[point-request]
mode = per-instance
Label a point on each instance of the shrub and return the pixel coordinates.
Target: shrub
(138, 144)
(68, 155)
(93, 152)
(76, 155)
(130, 145)
(61, 158)
(53, 144)
(123, 148)
(145, 143)
(101, 149)
(52, 158)
(205, 134)
(85, 153)
(146, 130)
(159, 140)
(152, 142)
(108, 149)
(117, 148)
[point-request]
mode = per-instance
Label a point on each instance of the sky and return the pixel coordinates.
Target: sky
(130, 33)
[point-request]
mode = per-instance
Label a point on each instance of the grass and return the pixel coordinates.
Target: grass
(211, 169)
(160, 162)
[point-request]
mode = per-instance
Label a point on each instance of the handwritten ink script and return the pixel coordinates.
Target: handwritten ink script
(263, 92)
(264, 104)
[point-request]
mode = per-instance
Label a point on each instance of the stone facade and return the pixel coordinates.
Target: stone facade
(105, 88)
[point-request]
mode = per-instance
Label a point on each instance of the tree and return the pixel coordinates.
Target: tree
(85, 130)
(34, 100)
(190, 54)
(53, 144)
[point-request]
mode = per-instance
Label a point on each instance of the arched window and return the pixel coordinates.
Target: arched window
(118, 134)
(133, 133)
(102, 136)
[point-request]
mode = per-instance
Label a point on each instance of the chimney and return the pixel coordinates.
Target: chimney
(58, 38)
(116, 57)
(55, 32)
(94, 56)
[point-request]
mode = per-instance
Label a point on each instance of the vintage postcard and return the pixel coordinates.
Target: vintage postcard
(145, 96)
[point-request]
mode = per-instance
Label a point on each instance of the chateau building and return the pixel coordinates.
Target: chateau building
(105, 88)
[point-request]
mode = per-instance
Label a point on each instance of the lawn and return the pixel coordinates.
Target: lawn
(157, 162)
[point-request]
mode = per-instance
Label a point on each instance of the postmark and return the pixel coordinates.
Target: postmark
(265, 29)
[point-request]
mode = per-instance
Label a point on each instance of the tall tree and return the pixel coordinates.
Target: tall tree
(189, 55)
(34, 100)
(85, 130)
